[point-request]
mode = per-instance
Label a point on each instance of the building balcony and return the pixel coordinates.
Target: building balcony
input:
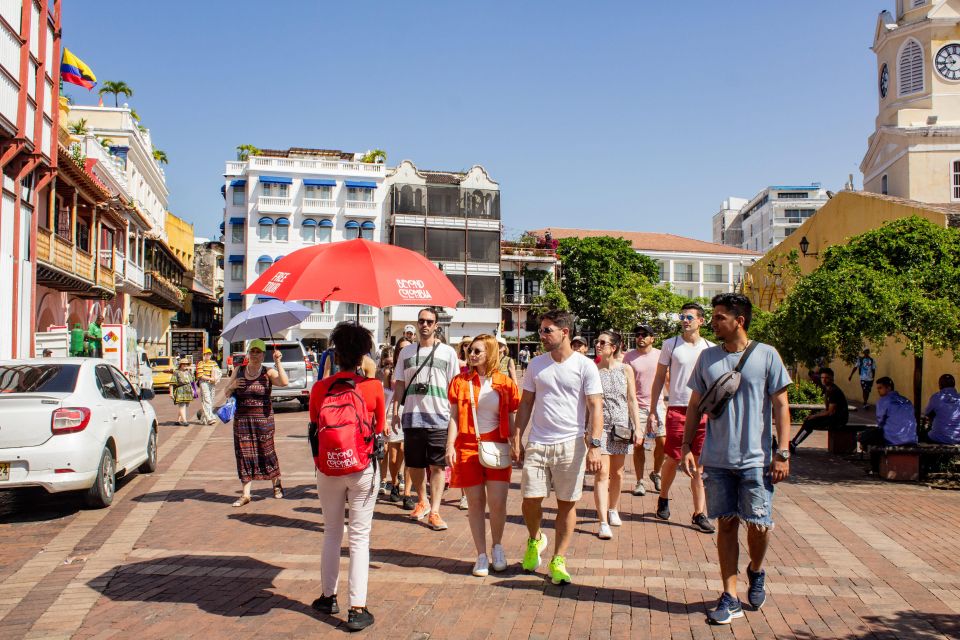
(160, 292)
(317, 206)
(61, 265)
(235, 168)
(309, 165)
(517, 299)
(129, 275)
(361, 209)
(317, 321)
(269, 204)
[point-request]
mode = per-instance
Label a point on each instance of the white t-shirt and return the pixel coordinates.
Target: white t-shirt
(560, 409)
(681, 357)
(488, 408)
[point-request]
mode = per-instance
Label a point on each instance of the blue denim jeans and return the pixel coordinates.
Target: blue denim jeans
(746, 494)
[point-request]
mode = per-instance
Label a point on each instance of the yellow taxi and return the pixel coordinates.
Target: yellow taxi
(162, 367)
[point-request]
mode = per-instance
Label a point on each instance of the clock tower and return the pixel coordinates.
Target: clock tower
(914, 152)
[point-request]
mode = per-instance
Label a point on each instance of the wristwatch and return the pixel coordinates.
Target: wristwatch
(594, 443)
(783, 454)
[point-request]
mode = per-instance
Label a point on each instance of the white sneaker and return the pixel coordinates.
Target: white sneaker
(499, 558)
(639, 489)
(605, 532)
(463, 503)
(614, 518)
(482, 566)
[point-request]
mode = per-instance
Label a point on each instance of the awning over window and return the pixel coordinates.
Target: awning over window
(265, 298)
(234, 297)
(265, 220)
(265, 259)
(238, 183)
(223, 191)
(352, 224)
(326, 223)
(319, 183)
(309, 222)
(274, 180)
(368, 225)
(236, 259)
(277, 259)
(361, 185)
(238, 220)
(283, 222)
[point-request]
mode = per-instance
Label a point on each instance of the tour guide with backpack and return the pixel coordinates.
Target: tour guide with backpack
(346, 426)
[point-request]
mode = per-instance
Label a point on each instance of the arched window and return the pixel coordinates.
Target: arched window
(282, 231)
(367, 229)
(883, 182)
(263, 263)
(910, 68)
(308, 231)
(351, 230)
(265, 227)
(325, 231)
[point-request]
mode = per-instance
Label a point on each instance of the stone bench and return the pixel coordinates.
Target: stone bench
(843, 440)
(902, 463)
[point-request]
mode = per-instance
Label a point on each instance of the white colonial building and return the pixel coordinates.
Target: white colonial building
(692, 268)
(767, 218)
(279, 201)
(453, 219)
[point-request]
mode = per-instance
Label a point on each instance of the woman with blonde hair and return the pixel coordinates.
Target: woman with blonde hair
(483, 402)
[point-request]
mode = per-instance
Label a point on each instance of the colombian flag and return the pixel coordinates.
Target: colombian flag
(75, 71)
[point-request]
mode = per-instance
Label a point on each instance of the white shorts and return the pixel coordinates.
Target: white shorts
(661, 428)
(561, 465)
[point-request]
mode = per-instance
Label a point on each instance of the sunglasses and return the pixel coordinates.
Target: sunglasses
(601, 343)
(425, 321)
(545, 331)
(475, 352)
(643, 336)
(688, 317)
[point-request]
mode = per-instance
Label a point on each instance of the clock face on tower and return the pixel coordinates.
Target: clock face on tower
(884, 81)
(948, 61)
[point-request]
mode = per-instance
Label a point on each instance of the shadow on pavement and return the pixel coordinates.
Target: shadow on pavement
(34, 504)
(813, 466)
(202, 495)
(229, 586)
(583, 593)
(915, 625)
(403, 558)
(271, 520)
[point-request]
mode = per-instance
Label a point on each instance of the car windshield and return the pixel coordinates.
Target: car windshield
(38, 378)
(290, 352)
(160, 362)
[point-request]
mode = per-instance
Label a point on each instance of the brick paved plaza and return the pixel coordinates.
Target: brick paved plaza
(850, 558)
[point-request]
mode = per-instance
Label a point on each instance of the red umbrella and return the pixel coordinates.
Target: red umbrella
(372, 273)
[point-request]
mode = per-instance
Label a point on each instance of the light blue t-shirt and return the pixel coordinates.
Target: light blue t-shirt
(742, 436)
(895, 416)
(945, 405)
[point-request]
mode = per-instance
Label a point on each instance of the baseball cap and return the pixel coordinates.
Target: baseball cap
(644, 327)
(257, 344)
(208, 350)
(502, 340)
(579, 339)
(409, 328)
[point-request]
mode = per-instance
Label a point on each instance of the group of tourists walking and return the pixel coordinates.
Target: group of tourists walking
(463, 414)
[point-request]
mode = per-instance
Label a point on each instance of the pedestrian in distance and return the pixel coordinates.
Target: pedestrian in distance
(867, 367)
(835, 413)
(482, 405)
(621, 430)
(943, 410)
(421, 379)
(678, 358)
(400, 491)
(182, 390)
(410, 333)
(505, 363)
(390, 469)
(740, 462)
(208, 375)
(347, 400)
(523, 357)
(643, 362)
(560, 390)
(579, 344)
(253, 424)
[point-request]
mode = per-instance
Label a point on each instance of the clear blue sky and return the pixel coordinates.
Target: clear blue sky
(620, 115)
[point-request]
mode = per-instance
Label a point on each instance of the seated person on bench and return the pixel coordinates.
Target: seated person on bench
(944, 408)
(897, 424)
(833, 416)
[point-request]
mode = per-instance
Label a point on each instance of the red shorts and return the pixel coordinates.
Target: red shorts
(676, 418)
(467, 470)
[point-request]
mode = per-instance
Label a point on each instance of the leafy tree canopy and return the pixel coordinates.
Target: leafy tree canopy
(552, 298)
(597, 269)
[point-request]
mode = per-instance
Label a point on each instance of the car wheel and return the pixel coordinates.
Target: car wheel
(150, 464)
(100, 495)
(304, 404)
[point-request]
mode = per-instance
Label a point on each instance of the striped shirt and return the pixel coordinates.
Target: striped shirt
(427, 405)
(205, 369)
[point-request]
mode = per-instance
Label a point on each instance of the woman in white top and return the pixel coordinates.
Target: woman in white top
(620, 411)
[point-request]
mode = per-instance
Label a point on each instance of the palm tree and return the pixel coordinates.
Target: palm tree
(79, 128)
(376, 155)
(106, 143)
(160, 156)
(244, 151)
(116, 88)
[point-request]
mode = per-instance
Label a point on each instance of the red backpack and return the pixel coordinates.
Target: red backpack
(342, 439)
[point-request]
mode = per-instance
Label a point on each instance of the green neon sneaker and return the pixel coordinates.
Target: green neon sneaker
(558, 570)
(531, 559)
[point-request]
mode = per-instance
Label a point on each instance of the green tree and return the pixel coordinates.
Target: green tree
(106, 143)
(901, 280)
(638, 300)
(79, 128)
(596, 269)
(116, 88)
(552, 298)
(160, 156)
(244, 151)
(134, 115)
(375, 155)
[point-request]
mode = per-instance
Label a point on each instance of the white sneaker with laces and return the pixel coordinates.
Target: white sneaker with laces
(614, 518)
(605, 532)
(482, 566)
(499, 558)
(639, 489)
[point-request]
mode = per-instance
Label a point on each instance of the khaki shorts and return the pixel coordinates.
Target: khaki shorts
(561, 465)
(661, 428)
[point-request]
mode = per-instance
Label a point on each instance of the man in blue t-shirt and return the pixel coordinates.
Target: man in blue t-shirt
(896, 422)
(740, 465)
(944, 409)
(867, 367)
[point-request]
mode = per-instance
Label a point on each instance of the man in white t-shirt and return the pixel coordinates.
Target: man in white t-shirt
(559, 389)
(678, 357)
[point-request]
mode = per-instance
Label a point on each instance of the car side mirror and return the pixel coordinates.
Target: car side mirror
(147, 394)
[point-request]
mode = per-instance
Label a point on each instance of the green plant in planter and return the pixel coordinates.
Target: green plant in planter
(803, 392)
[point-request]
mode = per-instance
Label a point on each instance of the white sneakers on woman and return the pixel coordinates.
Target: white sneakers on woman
(499, 558)
(482, 566)
(613, 517)
(605, 532)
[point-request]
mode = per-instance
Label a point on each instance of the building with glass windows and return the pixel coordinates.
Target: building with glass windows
(279, 201)
(452, 218)
(762, 222)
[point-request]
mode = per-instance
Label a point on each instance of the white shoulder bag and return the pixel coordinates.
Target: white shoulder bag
(493, 455)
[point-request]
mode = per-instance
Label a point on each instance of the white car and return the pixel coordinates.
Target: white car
(69, 424)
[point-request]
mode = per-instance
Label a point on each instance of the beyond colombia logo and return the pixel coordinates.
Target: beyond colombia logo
(413, 290)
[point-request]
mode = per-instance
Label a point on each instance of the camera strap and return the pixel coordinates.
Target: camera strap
(429, 359)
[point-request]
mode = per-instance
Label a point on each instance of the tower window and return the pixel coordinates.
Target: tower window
(883, 182)
(910, 69)
(955, 177)
(917, 3)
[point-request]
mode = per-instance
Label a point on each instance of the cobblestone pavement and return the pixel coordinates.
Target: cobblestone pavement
(850, 558)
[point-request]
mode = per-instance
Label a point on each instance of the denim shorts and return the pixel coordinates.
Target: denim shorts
(744, 493)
